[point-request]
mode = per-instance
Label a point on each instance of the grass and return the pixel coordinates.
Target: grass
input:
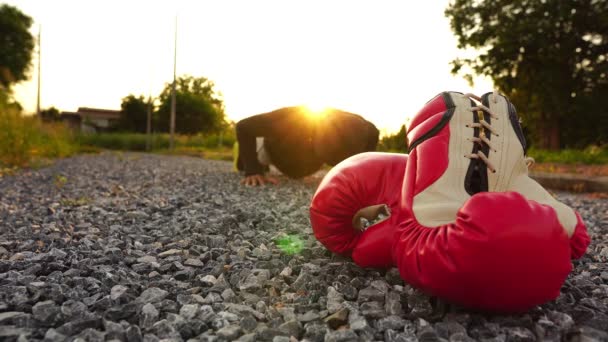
(221, 153)
(210, 146)
(589, 162)
(121, 141)
(592, 155)
(27, 142)
(187, 144)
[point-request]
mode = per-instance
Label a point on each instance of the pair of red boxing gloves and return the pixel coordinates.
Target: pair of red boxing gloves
(459, 217)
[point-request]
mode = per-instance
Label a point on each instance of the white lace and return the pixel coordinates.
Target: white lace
(483, 126)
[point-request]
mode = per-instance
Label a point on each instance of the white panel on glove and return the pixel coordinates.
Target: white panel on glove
(438, 204)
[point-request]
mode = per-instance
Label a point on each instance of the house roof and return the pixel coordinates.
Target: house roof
(70, 116)
(98, 113)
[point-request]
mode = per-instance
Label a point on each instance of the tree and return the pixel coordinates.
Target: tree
(198, 107)
(394, 143)
(133, 114)
(50, 114)
(549, 56)
(16, 44)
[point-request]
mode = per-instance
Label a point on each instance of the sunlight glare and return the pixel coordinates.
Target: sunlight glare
(316, 110)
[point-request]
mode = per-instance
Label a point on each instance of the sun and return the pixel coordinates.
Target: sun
(316, 110)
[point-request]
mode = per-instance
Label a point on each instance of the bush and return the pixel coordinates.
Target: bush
(137, 141)
(15, 137)
(591, 155)
(394, 143)
(24, 139)
(54, 140)
(123, 141)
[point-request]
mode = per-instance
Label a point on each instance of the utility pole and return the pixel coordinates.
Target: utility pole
(149, 123)
(38, 96)
(172, 124)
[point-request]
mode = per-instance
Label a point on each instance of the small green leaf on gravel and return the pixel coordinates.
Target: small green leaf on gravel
(290, 244)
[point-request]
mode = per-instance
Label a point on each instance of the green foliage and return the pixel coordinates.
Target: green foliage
(549, 57)
(199, 109)
(124, 141)
(137, 141)
(226, 138)
(394, 143)
(133, 114)
(25, 139)
(290, 244)
(60, 181)
(16, 44)
(592, 155)
(15, 143)
(52, 140)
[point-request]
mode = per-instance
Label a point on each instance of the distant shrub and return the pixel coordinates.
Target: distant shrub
(15, 141)
(396, 142)
(137, 141)
(123, 141)
(54, 140)
(23, 139)
(591, 155)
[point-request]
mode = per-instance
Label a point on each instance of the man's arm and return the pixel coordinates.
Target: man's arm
(246, 132)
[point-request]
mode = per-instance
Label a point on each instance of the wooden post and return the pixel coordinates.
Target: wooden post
(38, 113)
(172, 123)
(149, 124)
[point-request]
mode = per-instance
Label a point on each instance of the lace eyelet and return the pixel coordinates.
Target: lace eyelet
(484, 130)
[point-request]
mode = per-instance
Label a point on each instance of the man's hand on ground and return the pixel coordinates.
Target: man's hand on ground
(255, 180)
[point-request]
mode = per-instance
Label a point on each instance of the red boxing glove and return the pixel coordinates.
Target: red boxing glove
(353, 192)
(475, 229)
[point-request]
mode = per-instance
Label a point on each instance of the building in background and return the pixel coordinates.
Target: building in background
(91, 120)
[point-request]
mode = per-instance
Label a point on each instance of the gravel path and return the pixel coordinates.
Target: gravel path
(136, 247)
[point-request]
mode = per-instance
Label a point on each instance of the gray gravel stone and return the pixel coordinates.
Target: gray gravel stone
(73, 309)
(373, 310)
(46, 312)
(142, 247)
(371, 294)
(338, 319)
(390, 322)
(393, 304)
(334, 300)
(229, 332)
(149, 316)
(117, 292)
(12, 317)
(152, 295)
(291, 328)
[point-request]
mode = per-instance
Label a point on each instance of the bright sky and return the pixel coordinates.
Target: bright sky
(380, 59)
